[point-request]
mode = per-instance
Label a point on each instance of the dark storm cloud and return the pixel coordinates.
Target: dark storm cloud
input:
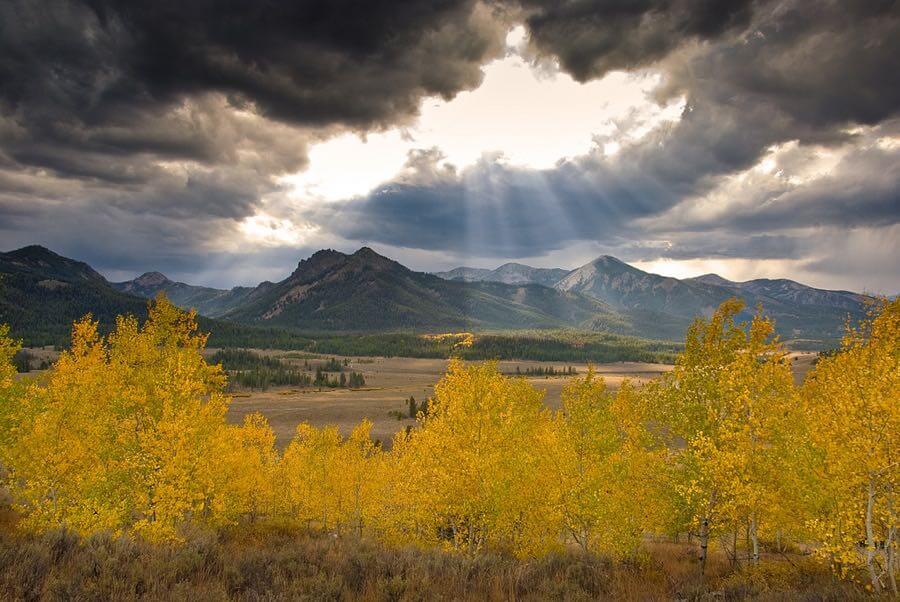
(89, 85)
(500, 210)
(592, 37)
(136, 130)
(153, 115)
(862, 190)
(83, 69)
(753, 75)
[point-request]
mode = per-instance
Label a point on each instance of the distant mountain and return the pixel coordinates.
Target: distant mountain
(207, 301)
(799, 311)
(789, 291)
(626, 287)
(508, 273)
(42, 293)
(366, 291)
(465, 274)
(41, 261)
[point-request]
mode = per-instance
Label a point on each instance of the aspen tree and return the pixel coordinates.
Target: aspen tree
(330, 479)
(721, 407)
(602, 467)
(477, 468)
(248, 466)
(123, 434)
(309, 464)
(358, 475)
(8, 349)
(9, 393)
(852, 402)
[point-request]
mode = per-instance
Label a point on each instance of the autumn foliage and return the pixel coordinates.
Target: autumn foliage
(126, 434)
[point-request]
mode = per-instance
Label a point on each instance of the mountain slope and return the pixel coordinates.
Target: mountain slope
(508, 273)
(365, 291)
(666, 305)
(628, 288)
(42, 293)
(207, 301)
(789, 291)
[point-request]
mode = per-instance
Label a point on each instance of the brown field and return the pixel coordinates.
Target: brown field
(391, 381)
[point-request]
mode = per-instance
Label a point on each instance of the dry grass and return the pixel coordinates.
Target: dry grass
(271, 562)
(389, 383)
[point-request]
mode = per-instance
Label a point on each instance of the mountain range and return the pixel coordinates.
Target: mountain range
(212, 302)
(40, 291)
(508, 273)
(366, 291)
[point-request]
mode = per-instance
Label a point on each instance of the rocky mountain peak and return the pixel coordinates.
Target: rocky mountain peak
(151, 279)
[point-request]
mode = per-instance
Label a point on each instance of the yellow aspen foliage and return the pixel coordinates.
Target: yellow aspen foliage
(124, 433)
(476, 468)
(359, 459)
(9, 393)
(723, 409)
(603, 467)
(308, 466)
(328, 478)
(248, 475)
(852, 403)
(8, 348)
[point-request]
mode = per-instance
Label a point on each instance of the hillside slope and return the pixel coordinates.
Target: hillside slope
(508, 273)
(366, 291)
(42, 293)
(212, 302)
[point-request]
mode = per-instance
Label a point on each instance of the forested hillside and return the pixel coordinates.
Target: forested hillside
(332, 294)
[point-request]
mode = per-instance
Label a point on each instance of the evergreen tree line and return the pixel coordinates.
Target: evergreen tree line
(413, 408)
(546, 371)
(252, 370)
(353, 380)
(24, 361)
(127, 433)
(548, 345)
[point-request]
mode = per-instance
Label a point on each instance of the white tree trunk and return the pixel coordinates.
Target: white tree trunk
(704, 542)
(754, 541)
(870, 538)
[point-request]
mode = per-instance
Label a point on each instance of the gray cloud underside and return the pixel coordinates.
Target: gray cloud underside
(786, 75)
(138, 133)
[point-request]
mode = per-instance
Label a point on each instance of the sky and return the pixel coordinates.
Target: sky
(220, 143)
